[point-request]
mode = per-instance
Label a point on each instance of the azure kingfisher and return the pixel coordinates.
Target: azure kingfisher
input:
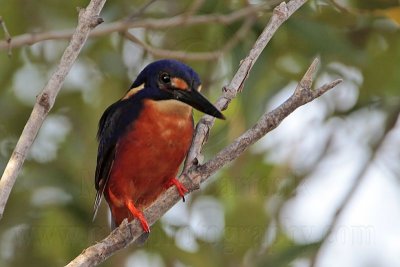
(145, 136)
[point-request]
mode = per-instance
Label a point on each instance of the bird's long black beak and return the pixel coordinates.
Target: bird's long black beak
(198, 101)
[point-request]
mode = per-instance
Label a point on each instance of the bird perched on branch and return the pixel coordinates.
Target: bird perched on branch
(145, 136)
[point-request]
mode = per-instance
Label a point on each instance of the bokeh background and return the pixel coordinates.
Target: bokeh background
(333, 162)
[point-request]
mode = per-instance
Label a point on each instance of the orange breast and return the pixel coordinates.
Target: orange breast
(148, 156)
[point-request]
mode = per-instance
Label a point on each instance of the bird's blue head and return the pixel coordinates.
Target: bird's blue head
(170, 79)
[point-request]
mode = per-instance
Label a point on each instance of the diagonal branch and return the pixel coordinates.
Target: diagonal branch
(126, 233)
(281, 14)
(269, 121)
(140, 10)
(124, 25)
(88, 19)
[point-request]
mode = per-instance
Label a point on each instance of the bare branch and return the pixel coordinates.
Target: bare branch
(139, 11)
(376, 149)
(203, 56)
(126, 233)
(124, 25)
(281, 13)
(269, 121)
(88, 19)
(7, 35)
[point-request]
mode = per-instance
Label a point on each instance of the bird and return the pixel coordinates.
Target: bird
(144, 138)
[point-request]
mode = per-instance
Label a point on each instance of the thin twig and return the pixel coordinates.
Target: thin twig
(88, 19)
(372, 157)
(7, 36)
(202, 56)
(140, 10)
(124, 25)
(196, 4)
(126, 233)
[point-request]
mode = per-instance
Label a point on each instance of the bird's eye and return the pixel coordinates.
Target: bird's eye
(165, 78)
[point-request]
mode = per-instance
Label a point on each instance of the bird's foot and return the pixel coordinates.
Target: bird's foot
(138, 215)
(180, 187)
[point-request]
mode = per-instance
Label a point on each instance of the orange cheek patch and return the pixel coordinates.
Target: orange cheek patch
(179, 84)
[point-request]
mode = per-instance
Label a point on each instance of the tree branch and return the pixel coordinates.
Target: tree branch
(281, 14)
(140, 10)
(124, 25)
(88, 19)
(269, 121)
(7, 35)
(126, 233)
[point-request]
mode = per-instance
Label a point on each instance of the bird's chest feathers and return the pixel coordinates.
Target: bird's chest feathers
(165, 121)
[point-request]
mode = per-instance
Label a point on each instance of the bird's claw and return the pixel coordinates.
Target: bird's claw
(179, 186)
(139, 215)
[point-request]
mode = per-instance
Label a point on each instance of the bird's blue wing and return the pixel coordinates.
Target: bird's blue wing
(107, 137)
(112, 126)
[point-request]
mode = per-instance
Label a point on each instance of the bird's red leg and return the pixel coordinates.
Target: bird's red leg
(180, 187)
(138, 215)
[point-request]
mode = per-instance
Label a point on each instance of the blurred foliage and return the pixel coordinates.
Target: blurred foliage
(47, 221)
